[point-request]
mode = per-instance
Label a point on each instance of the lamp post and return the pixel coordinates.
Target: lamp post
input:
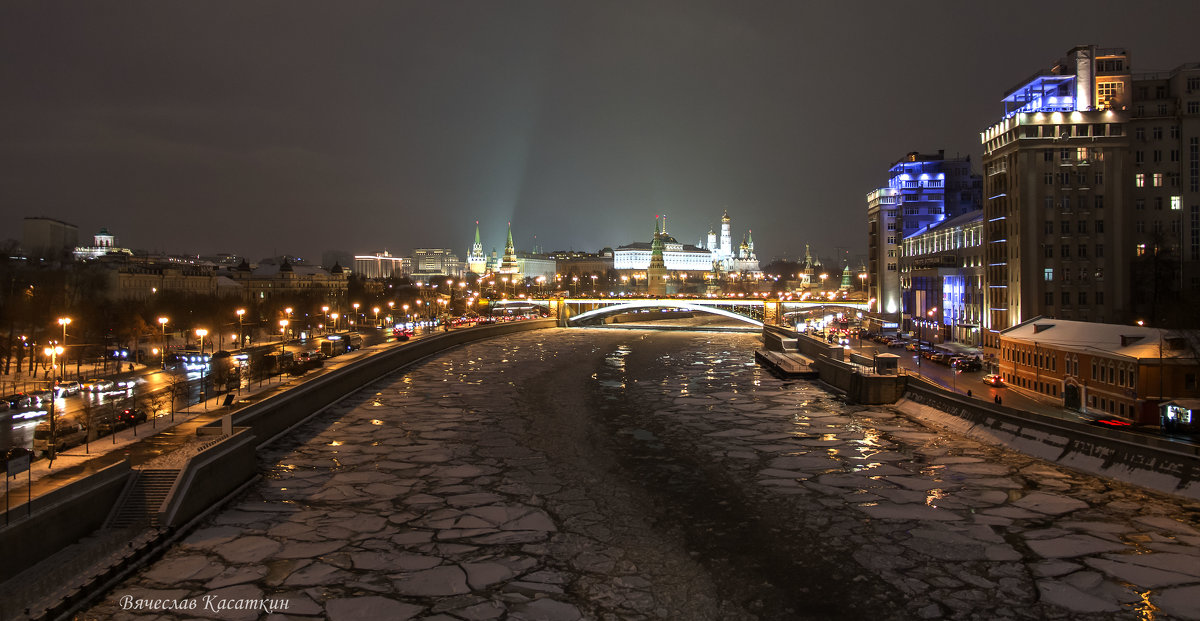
(356, 315)
(241, 338)
(405, 308)
(376, 309)
(201, 333)
(334, 317)
(391, 309)
(325, 311)
(53, 353)
(64, 322)
(288, 310)
(162, 362)
(283, 324)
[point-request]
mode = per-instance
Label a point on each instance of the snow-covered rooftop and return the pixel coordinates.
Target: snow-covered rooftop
(1104, 338)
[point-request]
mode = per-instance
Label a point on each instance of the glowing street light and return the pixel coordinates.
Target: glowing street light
(241, 339)
(162, 321)
(325, 310)
(64, 322)
(52, 353)
(376, 309)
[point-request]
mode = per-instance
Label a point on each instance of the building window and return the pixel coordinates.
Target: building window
(1066, 298)
(1140, 226)
(1139, 156)
(1189, 381)
(1048, 202)
(1049, 227)
(1047, 156)
(1065, 227)
(1158, 133)
(1066, 203)
(1083, 298)
(891, 267)
(1193, 107)
(1099, 226)
(1048, 274)
(1158, 179)
(1139, 180)
(1049, 252)
(1081, 226)
(1140, 249)
(1139, 204)
(1049, 299)
(1158, 203)
(1099, 250)
(1099, 178)
(1066, 251)
(1082, 251)
(1140, 133)
(1175, 131)
(1048, 178)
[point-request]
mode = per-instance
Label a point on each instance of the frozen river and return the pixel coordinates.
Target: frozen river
(620, 474)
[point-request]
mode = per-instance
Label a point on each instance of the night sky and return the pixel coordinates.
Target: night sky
(260, 128)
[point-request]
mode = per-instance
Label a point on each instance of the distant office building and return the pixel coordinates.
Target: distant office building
(379, 265)
(436, 262)
(47, 238)
(585, 264)
(941, 270)
(923, 190)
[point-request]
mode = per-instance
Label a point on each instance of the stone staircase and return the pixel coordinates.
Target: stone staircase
(142, 499)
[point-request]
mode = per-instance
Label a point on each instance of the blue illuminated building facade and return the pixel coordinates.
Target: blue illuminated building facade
(923, 191)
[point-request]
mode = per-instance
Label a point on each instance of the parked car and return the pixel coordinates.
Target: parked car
(132, 416)
(994, 380)
(968, 364)
(68, 432)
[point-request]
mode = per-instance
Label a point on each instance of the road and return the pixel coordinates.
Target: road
(17, 426)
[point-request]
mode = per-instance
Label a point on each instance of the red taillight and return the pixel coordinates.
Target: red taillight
(1114, 423)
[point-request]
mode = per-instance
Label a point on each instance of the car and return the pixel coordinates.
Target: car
(42, 397)
(132, 416)
(66, 389)
(968, 364)
(994, 380)
(98, 385)
(19, 400)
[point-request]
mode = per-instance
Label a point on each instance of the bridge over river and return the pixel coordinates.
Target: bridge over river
(754, 311)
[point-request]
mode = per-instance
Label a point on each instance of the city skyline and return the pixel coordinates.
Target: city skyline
(188, 130)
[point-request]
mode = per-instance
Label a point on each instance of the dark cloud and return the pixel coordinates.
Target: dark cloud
(303, 126)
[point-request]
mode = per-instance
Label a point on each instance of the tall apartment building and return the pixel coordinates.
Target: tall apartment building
(1165, 220)
(923, 190)
(1057, 187)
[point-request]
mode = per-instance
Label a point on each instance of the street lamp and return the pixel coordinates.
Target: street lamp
(283, 324)
(355, 305)
(201, 333)
(53, 353)
(325, 311)
(376, 309)
(162, 321)
(241, 338)
(405, 308)
(64, 322)
(334, 317)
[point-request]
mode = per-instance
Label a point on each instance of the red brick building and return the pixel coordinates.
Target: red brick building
(1098, 368)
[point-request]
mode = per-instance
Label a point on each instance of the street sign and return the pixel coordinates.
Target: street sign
(17, 465)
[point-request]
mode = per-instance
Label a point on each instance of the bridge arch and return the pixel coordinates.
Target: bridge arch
(616, 309)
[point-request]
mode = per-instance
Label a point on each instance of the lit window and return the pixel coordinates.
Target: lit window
(1049, 274)
(1158, 179)
(1139, 180)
